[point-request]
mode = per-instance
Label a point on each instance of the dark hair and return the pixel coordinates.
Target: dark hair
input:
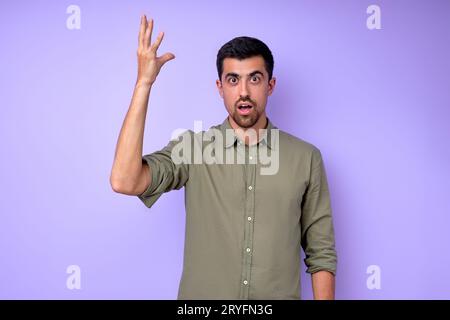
(242, 48)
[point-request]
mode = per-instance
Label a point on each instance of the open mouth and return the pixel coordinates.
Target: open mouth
(244, 109)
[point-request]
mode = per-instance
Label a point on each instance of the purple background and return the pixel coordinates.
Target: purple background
(375, 102)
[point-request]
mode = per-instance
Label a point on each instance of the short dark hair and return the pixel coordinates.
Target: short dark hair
(242, 48)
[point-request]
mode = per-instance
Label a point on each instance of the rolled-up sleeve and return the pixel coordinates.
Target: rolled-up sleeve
(317, 231)
(166, 175)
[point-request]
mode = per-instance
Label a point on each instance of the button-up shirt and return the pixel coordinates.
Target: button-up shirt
(245, 227)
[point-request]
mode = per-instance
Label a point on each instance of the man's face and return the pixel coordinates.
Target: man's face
(244, 87)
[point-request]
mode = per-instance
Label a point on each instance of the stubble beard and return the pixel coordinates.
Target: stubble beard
(246, 121)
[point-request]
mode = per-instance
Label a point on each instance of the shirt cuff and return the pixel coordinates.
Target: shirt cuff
(148, 197)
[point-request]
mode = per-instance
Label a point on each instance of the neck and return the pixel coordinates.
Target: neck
(241, 132)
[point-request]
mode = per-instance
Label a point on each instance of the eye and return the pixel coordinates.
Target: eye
(232, 80)
(255, 79)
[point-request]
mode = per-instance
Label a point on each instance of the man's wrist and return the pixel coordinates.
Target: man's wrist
(143, 84)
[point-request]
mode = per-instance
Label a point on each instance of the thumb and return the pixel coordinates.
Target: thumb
(167, 57)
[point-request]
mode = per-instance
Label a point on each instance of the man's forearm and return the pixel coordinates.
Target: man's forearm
(323, 284)
(127, 172)
(128, 156)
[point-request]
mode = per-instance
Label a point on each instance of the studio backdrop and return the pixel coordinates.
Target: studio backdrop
(367, 82)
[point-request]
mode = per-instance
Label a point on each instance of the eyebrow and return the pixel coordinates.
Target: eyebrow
(233, 74)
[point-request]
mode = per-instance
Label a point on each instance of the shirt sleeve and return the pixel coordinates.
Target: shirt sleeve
(166, 175)
(317, 230)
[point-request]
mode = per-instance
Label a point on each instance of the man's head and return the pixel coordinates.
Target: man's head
(245, 67)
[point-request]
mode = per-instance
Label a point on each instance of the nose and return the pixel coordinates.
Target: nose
(243, 89)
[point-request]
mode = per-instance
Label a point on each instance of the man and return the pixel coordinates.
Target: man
(245, 226)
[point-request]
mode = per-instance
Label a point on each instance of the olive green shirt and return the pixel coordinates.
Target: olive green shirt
(245, 229)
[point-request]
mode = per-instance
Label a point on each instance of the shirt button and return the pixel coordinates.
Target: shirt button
(249, 218)
(248, 250)
(250, 187)
(245, 282)
(251, 158)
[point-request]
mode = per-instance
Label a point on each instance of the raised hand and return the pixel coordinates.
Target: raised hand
(149, 64)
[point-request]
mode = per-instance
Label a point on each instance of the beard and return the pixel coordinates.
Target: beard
(248, 120)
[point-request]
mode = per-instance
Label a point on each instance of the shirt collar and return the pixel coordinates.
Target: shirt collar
(266, 138)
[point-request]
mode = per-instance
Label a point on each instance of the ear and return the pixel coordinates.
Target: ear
(219, 87)
(272, 83)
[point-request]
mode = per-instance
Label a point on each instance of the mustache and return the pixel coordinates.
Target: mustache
(245, 100)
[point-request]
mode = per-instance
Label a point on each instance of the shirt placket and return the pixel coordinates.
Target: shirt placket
(247, 250)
